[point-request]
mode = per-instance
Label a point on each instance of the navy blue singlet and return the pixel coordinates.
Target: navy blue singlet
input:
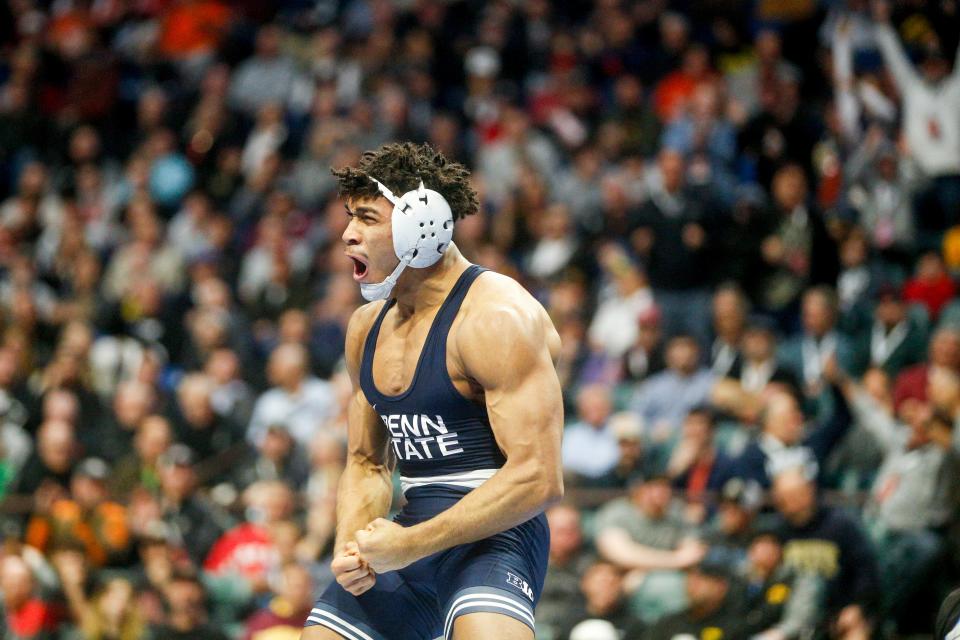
(438, 436)
(445, 448)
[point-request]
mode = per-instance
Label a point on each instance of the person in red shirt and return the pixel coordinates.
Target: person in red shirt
(931, 285)
(944, 353)
(248, 551)
(25, 615)
(673, 93)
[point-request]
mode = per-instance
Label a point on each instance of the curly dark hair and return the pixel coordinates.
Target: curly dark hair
(400, 166)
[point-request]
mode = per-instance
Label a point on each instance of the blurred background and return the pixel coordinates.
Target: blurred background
(742, 216)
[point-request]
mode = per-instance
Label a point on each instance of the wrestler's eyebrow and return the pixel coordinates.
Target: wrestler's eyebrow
(364, 210)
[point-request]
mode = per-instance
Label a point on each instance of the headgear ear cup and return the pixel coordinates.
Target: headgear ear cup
(422, 223)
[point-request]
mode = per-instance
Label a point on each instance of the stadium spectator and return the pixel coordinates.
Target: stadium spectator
(590, 449)
(140, 467)
(298, 400)
(26, 614)
(931, 133)
(787, 441)
(193, 522)
(603, 598)
(807, 354)
(674, 237)
(715, 602)
(185, 599)
(780, 602)
(729, 322)
(287, 610)
(829, 543)
(568, 562)
(663, 399)
(895, 338)
(170, 250)
(643, 534)
(696, 467)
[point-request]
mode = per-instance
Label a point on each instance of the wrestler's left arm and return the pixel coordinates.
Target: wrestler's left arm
(507, 347)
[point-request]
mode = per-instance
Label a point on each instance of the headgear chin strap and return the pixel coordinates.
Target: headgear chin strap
(422, 230)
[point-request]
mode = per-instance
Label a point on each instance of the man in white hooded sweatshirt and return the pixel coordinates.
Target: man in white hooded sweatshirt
(931, 118)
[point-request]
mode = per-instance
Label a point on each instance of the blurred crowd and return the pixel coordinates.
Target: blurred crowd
(742, 216)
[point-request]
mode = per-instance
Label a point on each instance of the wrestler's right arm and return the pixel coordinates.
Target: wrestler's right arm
(366, 487)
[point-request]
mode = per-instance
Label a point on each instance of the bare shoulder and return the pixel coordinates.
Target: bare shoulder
(499, 301)
(503, 323)
(357, 329)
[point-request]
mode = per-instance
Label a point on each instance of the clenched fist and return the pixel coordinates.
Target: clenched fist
(386, 546)
(351, 571)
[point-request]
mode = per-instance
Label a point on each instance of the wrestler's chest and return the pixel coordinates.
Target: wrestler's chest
(400, 354)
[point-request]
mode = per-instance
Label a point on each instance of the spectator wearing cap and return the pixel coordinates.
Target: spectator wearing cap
(298, 400)
(664, 399)
(807, 354)
(674, 240)
(894, 340)
(603, 599)
(590, 449)
(646, 356)
(780, 602)
(915, 491)
(715, 608)
(828, 542)
(730, 530)
(193, 523)
(643, 533)
(87, 519)
(930, 100)
(696, 467)
(729, 322)
(568, 560)
(627, 428)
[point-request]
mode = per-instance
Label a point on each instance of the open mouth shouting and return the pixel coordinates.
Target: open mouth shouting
(359, 267)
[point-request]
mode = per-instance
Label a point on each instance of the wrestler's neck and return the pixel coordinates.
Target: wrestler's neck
(427, 288)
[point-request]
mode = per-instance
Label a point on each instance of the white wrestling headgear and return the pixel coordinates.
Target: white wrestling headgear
(422, 230)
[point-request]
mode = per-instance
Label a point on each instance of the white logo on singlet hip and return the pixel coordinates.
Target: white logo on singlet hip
(520, 583)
